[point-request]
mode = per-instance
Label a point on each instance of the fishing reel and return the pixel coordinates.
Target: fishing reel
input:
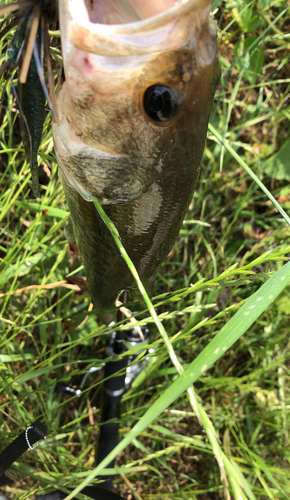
(133, 339)
(119, 373)
(119, 343)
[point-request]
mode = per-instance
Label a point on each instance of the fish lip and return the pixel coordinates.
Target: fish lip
(120, 39)
(181, 9)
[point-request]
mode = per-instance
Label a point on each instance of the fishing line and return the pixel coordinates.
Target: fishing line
(49, 64)
(39, 68)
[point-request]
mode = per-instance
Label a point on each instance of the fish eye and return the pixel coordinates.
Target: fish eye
(160, 103)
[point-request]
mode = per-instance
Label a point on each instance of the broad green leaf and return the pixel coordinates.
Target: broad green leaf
(37, 373)
(248, 17)
(20, 269)
(12, 358)
(278, 166)
(252, 59)
(215, 4)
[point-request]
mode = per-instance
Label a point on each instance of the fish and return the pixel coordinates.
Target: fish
(32, 101)
(140, 79)
(26, 51)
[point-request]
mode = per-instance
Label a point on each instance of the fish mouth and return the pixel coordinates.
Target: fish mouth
(120, 28)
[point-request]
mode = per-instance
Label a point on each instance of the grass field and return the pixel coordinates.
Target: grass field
(222, 296)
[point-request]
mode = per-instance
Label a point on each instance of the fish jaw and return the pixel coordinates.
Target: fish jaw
(105, 143)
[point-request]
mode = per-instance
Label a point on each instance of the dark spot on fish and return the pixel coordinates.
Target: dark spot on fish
(82, 104)
(87, 63)
(108, 193)
(161, 103)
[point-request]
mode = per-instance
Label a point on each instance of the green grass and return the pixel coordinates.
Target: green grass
(222, 296)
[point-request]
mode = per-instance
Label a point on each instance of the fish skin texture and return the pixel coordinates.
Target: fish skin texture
(143, 173)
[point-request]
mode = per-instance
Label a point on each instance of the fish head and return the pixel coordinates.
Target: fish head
(139, 84)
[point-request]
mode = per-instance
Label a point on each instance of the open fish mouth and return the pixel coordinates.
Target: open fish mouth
(122, 28)
(130, 71)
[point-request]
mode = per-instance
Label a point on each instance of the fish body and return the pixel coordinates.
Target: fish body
(26, 52)
(14, 48)
(33, 106)
(32, 100)
(133, 112)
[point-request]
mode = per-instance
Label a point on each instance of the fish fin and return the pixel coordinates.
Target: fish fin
(69, 232)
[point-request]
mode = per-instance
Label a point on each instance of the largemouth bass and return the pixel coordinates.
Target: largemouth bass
(133, 113)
